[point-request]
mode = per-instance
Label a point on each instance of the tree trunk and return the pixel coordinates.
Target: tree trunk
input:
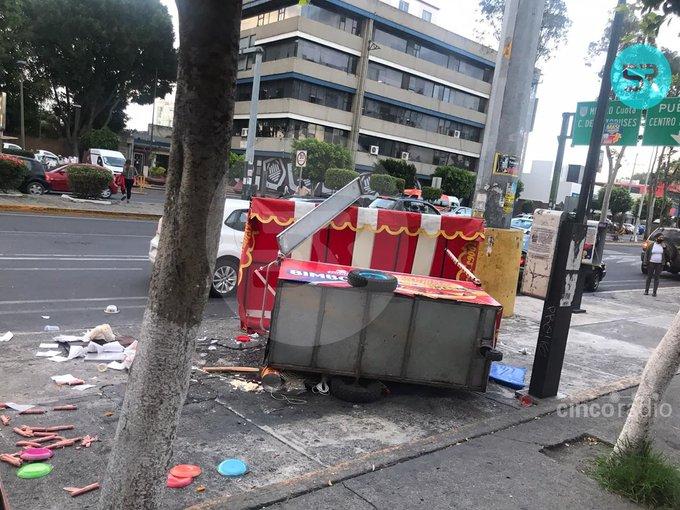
(159, 379)
(614, 166)
(659, 370)
(651, 196)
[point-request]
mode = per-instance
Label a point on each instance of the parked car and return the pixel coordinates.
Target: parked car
(35, 182)
(225, 276)
(7, 145)
(443, 204)
(57, 180)
(672, 237)
(404, 204)
(49, 159)
(111, 160)
(461, 211)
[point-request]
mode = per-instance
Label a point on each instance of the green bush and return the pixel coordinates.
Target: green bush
(641, 475)
(430, 194)
(13, 171)
(528, 207)
(337, 178)
(102, 138)
(383, 184)
(400, 169)
(237, 163)
(19, 152)
(157, 171)
(457, 181)
(320, 157)
(88, 181)
(400, 183)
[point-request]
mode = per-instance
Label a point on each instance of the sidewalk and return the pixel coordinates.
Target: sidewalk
(299, 444)
(519, 467)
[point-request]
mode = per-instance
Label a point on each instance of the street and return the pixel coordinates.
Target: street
(71, 268)
(623, 270)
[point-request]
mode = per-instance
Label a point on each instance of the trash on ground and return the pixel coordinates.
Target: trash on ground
(127, 359)
(219, 370)
(47, 354)
(49, 328)
(111, 309)
(232, 467)
(506, 375)
(525, 400)
(293, 384)
(185, 471)
(48, 345)
(177, 483)
(83, 387)
(200, 488)
(75, 491)
(212, 347)
(19, 407)
(11, 459)
(243, 338)
(68, 407)
(249, 386)
(523, 351)
(34, 470)
(88, 440)
(6, 337)
(101, 332)
(4, 419)
(33, 454)
(45, 316)
(33, 410)
(85, 200)
(271, 379)
(69, 338)
(67, 379)
(58, 359)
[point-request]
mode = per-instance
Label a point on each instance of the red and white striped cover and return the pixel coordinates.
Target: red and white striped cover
(397, 241)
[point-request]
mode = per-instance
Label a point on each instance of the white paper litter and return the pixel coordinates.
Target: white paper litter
(19, 407)
(66, 379)
(85, 200)
(128, 358)
(45, 316)
(116, 365)
(58, 359)
(101, 332)
(6, 337)
(48, 345)
(47, 354)
(104, 356)
(70, 338)
(82, 387)
(212, 347)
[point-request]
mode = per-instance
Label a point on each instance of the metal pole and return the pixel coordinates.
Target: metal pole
(21, 107)
(507, 121)
(598, 122)
(559, 158)
(252, 120)
(642, 198)
(75, 131)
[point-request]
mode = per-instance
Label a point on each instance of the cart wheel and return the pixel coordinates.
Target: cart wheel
(372, 280)
(363, 391)
(593, 283)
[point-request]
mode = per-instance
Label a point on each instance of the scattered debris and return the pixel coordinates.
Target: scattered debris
(64, 443)
(70, 338)
(200, 488)
(185, 471)
(33, 454)
(250, 386)
(49, 345)
(45, 316)
(10, 459)
(212, 347)
(177, 483)
(85, 200)
(523, 351)
(88, 440)
(525, 400)
(67, 379)
(75, 491)
(30, 444)
(22, 432)
(69, 407)
(49, 328)
(101, 332)
(33, 410)
(83, 387)
(6, 337)
(34, 470)
(45, 439)
(111, 309)
(243, 338)
(232, 467)
(4, 419)
(507, 375)
(18, 407)
(219, 370)
(128, 357)
(47, 354)
(108, 413)
(57, 428)
(271, 379)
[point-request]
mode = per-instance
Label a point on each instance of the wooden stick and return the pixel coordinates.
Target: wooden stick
(23, 432)
(63, 443)
(33, 410)
(5, 419)
(70, 407)
(42, 430)
(10, 459)
(32, 444)
(75, 491)
(243, 370)
(45, 439)
(57, 428)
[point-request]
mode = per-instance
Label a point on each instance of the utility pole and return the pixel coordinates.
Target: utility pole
(559, 159)
(557, 308)
(76, 121)
(642, 198)
(22, 65)
(506, 124)
(249, 174)
(153, 109)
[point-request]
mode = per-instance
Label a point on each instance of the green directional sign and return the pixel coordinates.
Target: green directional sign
(663, 123)
(621, 126)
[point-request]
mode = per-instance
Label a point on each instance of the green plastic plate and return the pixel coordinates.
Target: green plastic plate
(34, 470)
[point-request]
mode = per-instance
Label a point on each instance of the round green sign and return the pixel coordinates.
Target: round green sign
(641, 76)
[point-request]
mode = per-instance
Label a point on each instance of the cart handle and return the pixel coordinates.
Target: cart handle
(462, 267)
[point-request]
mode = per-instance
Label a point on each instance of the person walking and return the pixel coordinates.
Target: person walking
(129, 172)
(657, 256)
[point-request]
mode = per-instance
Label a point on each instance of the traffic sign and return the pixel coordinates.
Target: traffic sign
(621, 126)
(663, 123)
(641, 76)
(301, 159)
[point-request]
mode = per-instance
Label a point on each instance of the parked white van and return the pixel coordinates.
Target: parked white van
(111, 160)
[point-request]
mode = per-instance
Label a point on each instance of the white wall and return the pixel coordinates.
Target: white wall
(538, 180)
(415, 7)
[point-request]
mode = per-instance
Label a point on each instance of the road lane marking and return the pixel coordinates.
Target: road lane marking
(70, 300)
(72, 269)
(134, 258)
(23, 232)
(82, 218)
(68, 255)
(57, 310)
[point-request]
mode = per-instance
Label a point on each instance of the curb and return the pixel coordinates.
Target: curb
(380, 459)
(63, 211)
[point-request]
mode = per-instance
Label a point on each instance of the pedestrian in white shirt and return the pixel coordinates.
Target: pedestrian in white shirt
(657, 256)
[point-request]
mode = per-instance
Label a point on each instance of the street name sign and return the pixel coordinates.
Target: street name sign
(662, 127)
(621, 126)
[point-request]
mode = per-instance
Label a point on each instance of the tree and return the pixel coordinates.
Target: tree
(337, 178)
(102, 138)
(659, 206)
(195, 189)
(620, 200)
(431, 194)
(528, 206)
(520, 189)
(614, 161)
(320, 157)
(99, 54)
(400, 169)
(237, 163)
(456, 181)
(554, 29)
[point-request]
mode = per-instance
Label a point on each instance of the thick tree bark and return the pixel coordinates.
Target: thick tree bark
(659, 370)
(614, 161)
(159, 379)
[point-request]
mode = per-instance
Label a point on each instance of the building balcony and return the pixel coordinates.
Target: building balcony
(306, 68)
(300, 110)
(264, 145)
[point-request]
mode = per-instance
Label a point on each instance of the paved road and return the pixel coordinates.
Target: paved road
(623, 270)
(71, 268)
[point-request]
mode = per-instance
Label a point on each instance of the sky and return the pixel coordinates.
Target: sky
(567, 78)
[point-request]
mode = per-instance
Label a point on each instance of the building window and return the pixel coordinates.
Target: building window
(427, 16)
(296, 129)
(281, 14)
(298, 89)
(403, 6)
(260, 20)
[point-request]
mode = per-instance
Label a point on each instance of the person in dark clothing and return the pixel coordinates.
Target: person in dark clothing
(657, 256)
(129, 172)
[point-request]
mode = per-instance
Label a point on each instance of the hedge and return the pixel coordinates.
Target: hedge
(383, 184)
(337, 178)
(19, 152)
(88, 181)
(400, 183)
(13, 171)
(157, 171)
(430, 194)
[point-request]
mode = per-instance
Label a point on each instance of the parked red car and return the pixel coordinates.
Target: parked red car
(57, 180)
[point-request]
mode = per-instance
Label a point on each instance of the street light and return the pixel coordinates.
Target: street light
(252, 119)
(22, 66)
(76, 143)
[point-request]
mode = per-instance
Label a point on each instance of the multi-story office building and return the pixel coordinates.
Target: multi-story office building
(364, 74)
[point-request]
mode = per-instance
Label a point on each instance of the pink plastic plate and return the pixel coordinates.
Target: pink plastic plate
(36, 454)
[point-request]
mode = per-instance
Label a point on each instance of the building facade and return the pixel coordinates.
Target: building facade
(538, 180)
(363, 74)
